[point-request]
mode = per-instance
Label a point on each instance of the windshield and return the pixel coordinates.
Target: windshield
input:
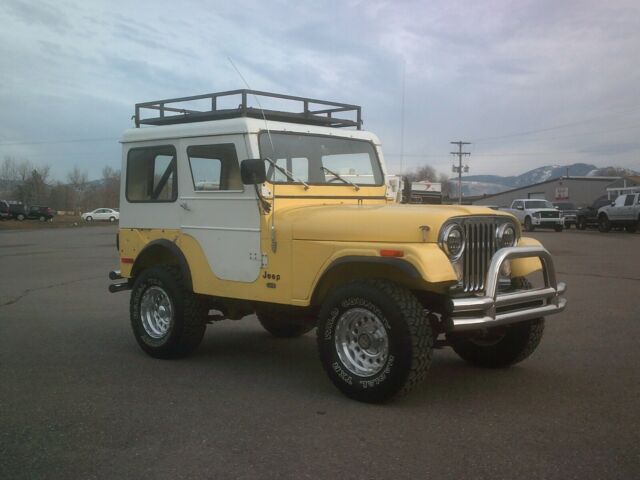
(309, 157)
(538, 204)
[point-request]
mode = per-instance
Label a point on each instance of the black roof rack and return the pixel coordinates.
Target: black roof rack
(311, 111)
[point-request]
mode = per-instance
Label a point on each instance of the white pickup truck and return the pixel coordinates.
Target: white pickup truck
(623, 212)
(536, 214)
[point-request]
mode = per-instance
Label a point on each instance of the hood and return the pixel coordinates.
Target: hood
(395, 223)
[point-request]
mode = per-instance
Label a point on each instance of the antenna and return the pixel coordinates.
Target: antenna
(266, 124)
(274, 243)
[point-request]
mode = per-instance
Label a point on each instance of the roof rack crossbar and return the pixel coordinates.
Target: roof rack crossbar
(309, 113)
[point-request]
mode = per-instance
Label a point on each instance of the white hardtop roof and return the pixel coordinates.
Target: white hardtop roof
(239, 125)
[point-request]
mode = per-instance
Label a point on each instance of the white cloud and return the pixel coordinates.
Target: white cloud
(473, 70)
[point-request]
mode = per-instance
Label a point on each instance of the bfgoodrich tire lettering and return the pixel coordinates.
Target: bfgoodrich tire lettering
(188, 319)
(408, 334)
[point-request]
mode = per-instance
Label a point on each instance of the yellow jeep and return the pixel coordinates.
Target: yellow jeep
(229, 209)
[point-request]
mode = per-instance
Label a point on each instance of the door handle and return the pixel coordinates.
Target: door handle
(185, 205)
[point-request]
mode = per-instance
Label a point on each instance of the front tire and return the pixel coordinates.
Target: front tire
(168, 320)
(604, 225)
(20, 217)
(374, 339)
(282, 327)
(558, 228)
(500, 347)
(528, 225)
(89, 219)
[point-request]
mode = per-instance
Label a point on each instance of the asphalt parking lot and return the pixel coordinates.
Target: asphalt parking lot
(79, 399)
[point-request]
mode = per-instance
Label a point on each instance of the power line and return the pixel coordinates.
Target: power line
(555, 127)
(51, 142)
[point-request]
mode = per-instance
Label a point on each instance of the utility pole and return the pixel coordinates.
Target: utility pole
(458, 169)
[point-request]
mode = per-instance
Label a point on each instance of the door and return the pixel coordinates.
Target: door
(616, 212)
(217, 210)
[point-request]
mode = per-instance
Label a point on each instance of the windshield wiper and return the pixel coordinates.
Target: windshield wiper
(287, 173)
(349, 182)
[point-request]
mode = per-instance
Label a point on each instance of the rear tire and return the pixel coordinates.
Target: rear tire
(282, 327)
(168, 320)
(374, 339)
(604, 225)
(42, 218)
(112, 219)
(20, 217)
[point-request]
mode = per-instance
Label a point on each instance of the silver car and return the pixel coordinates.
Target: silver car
(106, 214)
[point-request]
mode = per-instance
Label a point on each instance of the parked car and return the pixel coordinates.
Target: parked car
(40, 212)
(106, 214)
(624, 212)
(4, 210)
(568, 211)
(536, 213)
(588, 216)
(17, 211)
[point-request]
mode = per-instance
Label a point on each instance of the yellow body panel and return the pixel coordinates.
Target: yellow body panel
(316, 227)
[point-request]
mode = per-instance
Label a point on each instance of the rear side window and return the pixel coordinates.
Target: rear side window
(151, 174)
(214, 167)
(629, 200)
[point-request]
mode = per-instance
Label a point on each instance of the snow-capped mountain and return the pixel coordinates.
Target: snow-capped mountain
(473, 185)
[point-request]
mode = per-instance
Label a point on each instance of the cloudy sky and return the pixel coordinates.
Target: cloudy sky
(530, 83)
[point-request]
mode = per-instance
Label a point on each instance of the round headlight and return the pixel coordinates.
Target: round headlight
(453, 241)
(506, 236)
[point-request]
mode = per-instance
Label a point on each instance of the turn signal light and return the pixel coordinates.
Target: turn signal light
(391, 253)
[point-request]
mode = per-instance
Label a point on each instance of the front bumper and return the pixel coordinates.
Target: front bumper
(493, 309)
(551, 222)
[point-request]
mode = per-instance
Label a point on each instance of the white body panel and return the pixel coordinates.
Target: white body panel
(226, 224)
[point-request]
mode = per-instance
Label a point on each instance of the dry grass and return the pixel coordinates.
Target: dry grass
(59, 221)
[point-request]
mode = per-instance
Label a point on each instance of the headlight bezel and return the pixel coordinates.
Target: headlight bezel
(444, 237)
(500, 232)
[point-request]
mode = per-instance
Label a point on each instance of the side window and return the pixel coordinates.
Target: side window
(517, 204)
(214, 167)
(151, 174)
(629, 200)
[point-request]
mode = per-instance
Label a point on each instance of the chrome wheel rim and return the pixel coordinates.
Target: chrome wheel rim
(361, 342)
(156, 312)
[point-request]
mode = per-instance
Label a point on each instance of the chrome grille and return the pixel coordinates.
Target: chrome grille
(480, 234)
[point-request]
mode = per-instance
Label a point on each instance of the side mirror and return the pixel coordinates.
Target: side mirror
(613, 204)
(252, 171)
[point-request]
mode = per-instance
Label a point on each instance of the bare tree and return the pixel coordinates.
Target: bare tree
(110, 187)
(9, 169)
(425, 173)
(78, 180)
